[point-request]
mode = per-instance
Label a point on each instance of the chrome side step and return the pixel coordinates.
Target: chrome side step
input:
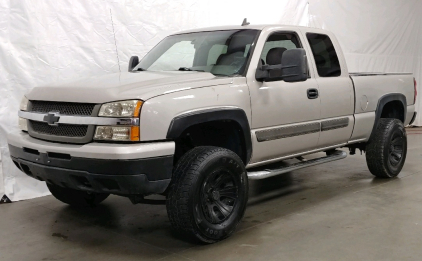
(266, 173)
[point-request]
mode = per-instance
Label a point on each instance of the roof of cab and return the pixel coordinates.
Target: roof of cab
(237, 27)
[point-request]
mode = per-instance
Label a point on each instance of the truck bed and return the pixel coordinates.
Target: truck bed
(370, 88)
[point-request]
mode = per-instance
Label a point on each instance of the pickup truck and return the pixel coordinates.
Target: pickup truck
(204, 111)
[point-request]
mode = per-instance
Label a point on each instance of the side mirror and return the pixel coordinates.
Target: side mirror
(293, 68)
(295, 65)
(134, 60)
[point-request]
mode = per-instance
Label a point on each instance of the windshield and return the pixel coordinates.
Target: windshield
(218, 52)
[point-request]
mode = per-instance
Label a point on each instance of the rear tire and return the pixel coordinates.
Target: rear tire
(386, 152)
(76, 198)
(208, 195)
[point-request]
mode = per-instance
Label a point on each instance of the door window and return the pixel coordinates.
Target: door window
(325, 55)
(279, 40)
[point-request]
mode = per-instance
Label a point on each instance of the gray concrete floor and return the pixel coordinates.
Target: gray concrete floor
(336, 211)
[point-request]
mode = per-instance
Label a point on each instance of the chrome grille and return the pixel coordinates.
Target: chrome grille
(66, 130)
(64, 108)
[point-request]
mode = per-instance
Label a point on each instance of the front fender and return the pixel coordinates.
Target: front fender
(180, 123)
(157, 113)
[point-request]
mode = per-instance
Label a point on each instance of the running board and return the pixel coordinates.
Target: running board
(266, 173)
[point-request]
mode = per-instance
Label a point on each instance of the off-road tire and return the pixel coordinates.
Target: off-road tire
(76, 198)
(195, 206)
(386, 151)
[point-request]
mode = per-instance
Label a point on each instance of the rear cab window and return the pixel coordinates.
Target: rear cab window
(325, 56)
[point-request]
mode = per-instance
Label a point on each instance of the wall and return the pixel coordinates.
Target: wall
(1, 180)
(49, 41)
(376, 35)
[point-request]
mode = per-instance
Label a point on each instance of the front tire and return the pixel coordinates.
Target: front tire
(208, 195)
(386, 152)
(76, 198)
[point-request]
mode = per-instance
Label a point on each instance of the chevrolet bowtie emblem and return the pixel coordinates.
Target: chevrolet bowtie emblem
(52, 119)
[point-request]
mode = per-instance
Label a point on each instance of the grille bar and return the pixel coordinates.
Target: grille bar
(64, 108)
(66, 130)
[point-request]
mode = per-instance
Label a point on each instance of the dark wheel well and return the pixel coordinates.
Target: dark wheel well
(391, 105)
(226, 134)
(394, 110)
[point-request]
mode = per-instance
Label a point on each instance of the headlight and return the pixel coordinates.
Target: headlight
(118, 133)
(24, 104)
(121, 109)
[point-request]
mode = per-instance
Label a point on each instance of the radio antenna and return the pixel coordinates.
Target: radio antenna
(245, 22)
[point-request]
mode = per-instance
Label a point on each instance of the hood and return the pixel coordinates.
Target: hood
(123, 86)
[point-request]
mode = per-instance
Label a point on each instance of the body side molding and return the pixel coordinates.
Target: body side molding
(327, 125)
(301, 129)
(184, 121)
(286, 132)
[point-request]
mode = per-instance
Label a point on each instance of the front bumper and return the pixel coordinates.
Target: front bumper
(123, 169)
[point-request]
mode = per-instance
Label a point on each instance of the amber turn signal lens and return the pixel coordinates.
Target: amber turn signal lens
(137, 109)
(134, 133)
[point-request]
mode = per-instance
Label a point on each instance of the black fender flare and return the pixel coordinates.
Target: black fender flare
(180, 123)
(380, 106)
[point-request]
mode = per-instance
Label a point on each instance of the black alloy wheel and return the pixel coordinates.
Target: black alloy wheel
(396, 148)
(386, 151)
(208, 194)
(219, 196)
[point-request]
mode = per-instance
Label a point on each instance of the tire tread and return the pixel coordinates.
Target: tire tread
(184, 177)
(375, 158)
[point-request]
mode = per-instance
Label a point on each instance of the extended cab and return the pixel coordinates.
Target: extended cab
(206, 110)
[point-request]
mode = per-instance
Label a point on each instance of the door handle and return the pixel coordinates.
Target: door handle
(312, 93)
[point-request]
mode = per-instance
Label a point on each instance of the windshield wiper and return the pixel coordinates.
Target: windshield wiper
(189, 69)
(141, 69)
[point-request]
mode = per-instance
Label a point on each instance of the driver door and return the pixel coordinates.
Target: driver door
(285, 116)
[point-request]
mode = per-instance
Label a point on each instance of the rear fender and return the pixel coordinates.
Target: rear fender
(380, 106)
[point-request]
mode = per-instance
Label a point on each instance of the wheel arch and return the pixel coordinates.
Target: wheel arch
(393, 105)
(234, 116)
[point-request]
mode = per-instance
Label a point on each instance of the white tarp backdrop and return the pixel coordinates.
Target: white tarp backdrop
(43, 41)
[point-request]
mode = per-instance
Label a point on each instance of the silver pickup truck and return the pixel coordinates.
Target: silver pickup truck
(204, 111)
